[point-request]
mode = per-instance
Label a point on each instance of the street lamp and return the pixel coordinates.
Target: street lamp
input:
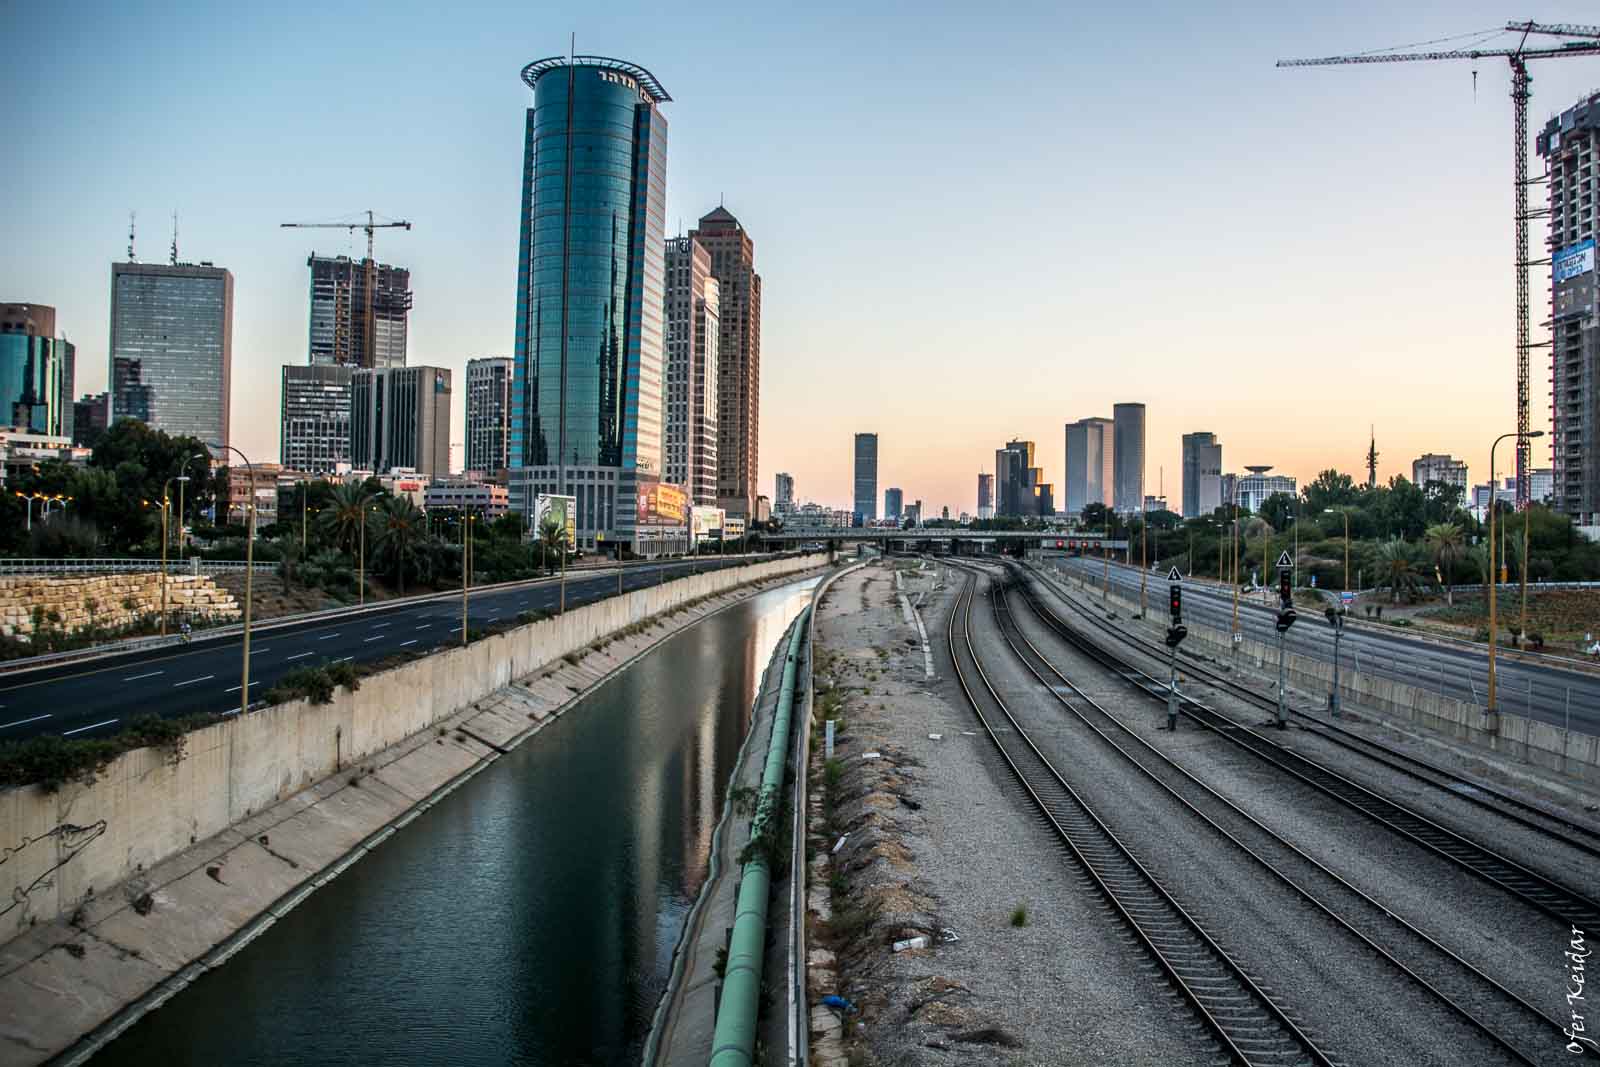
(249, 571)
(166, 507)
(1493, 711)
(361, 564)
(466, 568)
(184, 472)
(1345, 512)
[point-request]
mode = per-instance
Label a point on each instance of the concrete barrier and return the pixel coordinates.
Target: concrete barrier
(1529, 740)
(61, 847)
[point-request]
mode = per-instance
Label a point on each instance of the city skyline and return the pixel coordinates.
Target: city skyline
(1254, 268)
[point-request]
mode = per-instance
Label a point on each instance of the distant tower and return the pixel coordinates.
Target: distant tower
(1372, 461)
(132, 215)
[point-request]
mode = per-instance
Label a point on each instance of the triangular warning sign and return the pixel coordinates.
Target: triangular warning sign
(1173, 575)
(1284, 563)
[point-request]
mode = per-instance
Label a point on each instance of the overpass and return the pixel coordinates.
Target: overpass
(1065, 541)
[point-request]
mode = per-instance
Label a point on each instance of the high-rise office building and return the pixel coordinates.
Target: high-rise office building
(1254, 488)
(36, 371)
(1202, 474)
(1020, 488)
(91, 416)
(893, 503)
(1570, 143)
(866, 481)
(783, 494)
(344, 317)
(693, 331)
(985, 495)
(586, 393)
(488, 415)
(172, 347)
(1089, 464)
(733, 263)
(314, 418)
(400, 417)
(1433, 467)
(1127, 459)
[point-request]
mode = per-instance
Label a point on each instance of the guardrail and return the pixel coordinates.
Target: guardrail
(192, 565)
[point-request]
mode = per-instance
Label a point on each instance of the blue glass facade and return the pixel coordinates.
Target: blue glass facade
(36, 388)
(587, 376)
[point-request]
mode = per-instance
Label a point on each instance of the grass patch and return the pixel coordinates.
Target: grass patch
(1019, 916)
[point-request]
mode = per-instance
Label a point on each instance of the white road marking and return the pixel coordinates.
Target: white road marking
(403, 644)
(23, 722)
(369, 640)
(258, 651)
(191, 681)
(380, 625)
(328, 637)
(81, 729)
(142, 677)
(424, 626)
(344, 659)
(298, 655)
(235, 689)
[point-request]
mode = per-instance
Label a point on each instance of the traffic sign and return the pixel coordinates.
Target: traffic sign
(1347, 595)
(1173, 575)
(1284, 562)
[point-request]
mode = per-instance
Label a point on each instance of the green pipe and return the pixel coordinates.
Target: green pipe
(733, 1044)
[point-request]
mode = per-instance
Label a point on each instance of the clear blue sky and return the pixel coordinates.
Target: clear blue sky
(973, 222)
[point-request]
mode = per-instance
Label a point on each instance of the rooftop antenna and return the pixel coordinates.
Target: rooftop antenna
(131, 216)
(174, 238)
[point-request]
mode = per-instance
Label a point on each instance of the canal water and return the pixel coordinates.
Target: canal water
(528, 918)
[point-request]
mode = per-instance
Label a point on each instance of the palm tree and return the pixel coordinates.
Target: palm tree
(552, 538)
(401, 527)
(345, 513)
(1449, 548)
(1397, 568)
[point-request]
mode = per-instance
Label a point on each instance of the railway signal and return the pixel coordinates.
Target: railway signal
(1176, 632)
(1286, 617)
(1336, 619)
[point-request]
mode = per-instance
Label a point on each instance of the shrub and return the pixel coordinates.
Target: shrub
(1019, 915)
(49, 761)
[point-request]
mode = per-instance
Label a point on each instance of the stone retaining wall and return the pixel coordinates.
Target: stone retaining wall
(107, 600)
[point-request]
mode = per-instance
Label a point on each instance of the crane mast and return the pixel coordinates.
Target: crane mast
(1585, 42)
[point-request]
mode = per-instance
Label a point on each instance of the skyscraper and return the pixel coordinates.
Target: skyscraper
(1089, 464)
(733, 263)
(587, 391)
(866, 509)
(1570, 143)
(893, 503)
(314, 418)
(36, 371)
(342, 315)
(90, 417)
(1202, 474)
(400, 417)
(783, 494)
(1020, 488)
(1432, 467)
(692, 333)
(488, 415)
(1127, 459)
(985, 496)
(172, 347)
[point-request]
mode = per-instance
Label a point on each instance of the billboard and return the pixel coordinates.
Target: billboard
(732, 527)
(706, 521)
(662, 504)
(563, 508)
(1571, 262)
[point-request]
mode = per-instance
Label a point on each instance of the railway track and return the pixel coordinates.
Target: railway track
(1250, 1028)
(1577, 835)
(1541, 892)
(1518, 1028)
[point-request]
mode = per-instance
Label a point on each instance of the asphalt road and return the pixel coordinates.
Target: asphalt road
(98, 696)
(1538, 691)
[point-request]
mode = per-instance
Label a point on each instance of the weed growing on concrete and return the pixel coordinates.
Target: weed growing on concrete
(1019, 915)
(49, 761)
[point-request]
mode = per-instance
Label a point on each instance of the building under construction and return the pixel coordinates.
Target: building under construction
(1570, 145)
(348, 329)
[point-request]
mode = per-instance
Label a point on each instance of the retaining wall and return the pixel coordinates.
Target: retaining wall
(1530, 740)
(117, 599)
(147, 806)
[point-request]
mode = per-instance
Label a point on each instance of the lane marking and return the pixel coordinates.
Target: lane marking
(142, 677)
(81, 729)
(191, 681)
(403, 644)
(329, 637)
(298, 655)
(24, 722)
(380, 625)
(235, 689)
(344, 659)
(424, 626)
(258, 651)
(369, 640)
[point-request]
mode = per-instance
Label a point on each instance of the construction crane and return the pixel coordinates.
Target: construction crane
(370, 266)
(1586, 42)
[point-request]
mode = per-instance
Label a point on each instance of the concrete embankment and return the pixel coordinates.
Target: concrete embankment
(122, 891)
(1546, 746)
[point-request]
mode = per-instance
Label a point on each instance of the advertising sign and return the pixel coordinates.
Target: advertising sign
(563, 508)
(706, 521)
(732, 527)
(1571, 262)
(662, 504)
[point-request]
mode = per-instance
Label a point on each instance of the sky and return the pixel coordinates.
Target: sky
(973, 222)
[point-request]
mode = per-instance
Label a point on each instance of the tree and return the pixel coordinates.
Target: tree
(552, 538)
(401, 527)
(1330, 489)
(1397, 569)
(1277, 509)
(1448, 546)
(1096, 516)
(344, 516)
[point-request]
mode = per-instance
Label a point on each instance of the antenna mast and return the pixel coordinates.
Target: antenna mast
(174, 238)
(132, 215)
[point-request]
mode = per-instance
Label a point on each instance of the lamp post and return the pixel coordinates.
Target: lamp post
(1346, 514)
(249, 573)
(166, 505)
(1491, 709)
(183, 478)
(1144, 561)
(361, 562)
(1522, 626)
(466, 570)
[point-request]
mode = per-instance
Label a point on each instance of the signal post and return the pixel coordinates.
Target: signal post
(1176, 632)
(1286, 617)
